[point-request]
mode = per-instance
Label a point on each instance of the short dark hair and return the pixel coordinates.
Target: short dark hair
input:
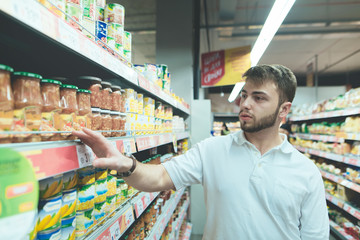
(282, 76)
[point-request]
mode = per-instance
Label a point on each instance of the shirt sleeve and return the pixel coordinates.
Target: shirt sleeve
(314, 221)
(186, 169)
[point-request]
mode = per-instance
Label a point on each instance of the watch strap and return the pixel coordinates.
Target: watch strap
(130, 171)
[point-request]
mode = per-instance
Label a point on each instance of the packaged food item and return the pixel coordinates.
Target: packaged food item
(127, 55)
(49, 234)
(123, 100)
(159, 110)
(100, 3)
(114, 13)
(123, 123)
(86, 175)
(110, 42)
(116, 31)
(116, 123)
(116, 98)
(88, 8)
(6, 103)
(88, 27)
(140, 103)
(111, 185)
(96, 120)
(150, 72)
(68, 226)
(127, 41)
(50, 116)
(68, 209)
(58, 7)
(51, 187)
(28, 105)
(70, 180)
(119, 49)
(106, 123)
(110, 203)
(130, 100)
(74, 15)
(49, 215)
(99, 211)
(84, 221)
(106, 96)
(99, 13)
(69, 109)
(101, 190)
(149, 107)
(100, 173)
(94, 85)
(86, 197)
(101, 32)
(121, 191)
(84, 108)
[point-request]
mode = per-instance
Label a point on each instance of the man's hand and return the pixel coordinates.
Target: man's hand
(108, 155)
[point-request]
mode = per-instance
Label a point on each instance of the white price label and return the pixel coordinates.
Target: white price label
(139, 208)
(129, 217)
(115, 231)
(127, 147)
(85, 155)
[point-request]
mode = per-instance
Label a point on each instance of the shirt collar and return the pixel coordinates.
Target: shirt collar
(285, 146)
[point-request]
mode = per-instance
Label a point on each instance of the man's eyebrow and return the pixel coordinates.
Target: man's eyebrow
(256, 92)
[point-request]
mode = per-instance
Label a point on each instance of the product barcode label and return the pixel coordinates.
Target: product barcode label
(85, 155)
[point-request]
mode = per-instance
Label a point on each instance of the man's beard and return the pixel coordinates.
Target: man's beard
(263, 123)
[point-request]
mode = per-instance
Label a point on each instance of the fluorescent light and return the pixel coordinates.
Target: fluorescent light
(276, 16)
(235, 92)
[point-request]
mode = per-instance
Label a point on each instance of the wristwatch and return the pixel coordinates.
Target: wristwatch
(130, 171)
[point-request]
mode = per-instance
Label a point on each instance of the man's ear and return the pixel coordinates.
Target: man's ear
(284, 109)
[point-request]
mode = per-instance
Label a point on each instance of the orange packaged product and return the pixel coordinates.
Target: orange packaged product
(96, 120)
(123, 100)
(106, 122)
(116, 123)
(116, 98)
(94, 85)
(6, 103)
(28, 105)
(51, 109)
(106, 96)
(84, 108)
(69, 109)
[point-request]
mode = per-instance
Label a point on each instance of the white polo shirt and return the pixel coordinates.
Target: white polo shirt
(279, 195)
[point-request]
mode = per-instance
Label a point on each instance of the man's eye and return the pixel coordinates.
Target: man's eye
(259, 98)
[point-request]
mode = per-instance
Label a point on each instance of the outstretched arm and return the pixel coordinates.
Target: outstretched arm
(148, 178)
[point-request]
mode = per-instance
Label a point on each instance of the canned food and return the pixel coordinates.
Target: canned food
(51, 234)
(127, 55)
(114, 13)
(100, 190)
(68, 208)
(51, 187)
(86, 175)
(100, 173)
(116, 31)
(99, 13)
(119, 49)
(49, 214)
(121, 191)
(68, 226)
(86, 195)
(110, 203)
(110, 42)
(88, 7)
(6, 103)
(99, 211)
(84, 221)
(127, 41)
(70, 180)
(73, 15)
(111, 185)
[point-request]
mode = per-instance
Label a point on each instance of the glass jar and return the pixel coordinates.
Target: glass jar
(69, 109)
(50, 116)
(28, 105)
(6, 103)
(106, 123)
(116, 98)
(116, 123)
(83, 119)
(106, 96)
(122, 124)
(123, 100)
(94, 85)
(96, 120)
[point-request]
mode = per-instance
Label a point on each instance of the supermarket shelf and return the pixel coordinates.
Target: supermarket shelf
(334, 200)
(332, 156)
(52, 158)
(187, 233)
(338, 137)
(182, 135)
(180, 219)
(351, 185)
(165, 216)
(56, 31)
(344, 205)
(115, 226)
(330, 114)
(142, 201)
(339, 232)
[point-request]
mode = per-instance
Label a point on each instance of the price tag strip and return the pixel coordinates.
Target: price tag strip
(344, 182)
(338, 113)
(340, 230)
(143, 201)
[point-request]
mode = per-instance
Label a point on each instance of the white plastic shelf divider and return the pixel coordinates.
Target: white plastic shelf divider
(351, 185)
(330, 114)
(332, 156)
(142, 201)
(165, 216)
(341, 231)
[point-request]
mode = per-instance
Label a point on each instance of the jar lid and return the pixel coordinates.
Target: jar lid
(122, 90)
(27, 74)
(106, 84)
(115, 88)
(51, 81)
(104, 111)
(61, 79)
(95, 109)
(6, 68)
(84, 91)
(90, 78)
(69, 86)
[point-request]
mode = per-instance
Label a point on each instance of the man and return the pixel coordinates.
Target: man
(256, 185)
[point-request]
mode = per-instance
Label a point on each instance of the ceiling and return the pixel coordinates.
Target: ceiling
(326, 29)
